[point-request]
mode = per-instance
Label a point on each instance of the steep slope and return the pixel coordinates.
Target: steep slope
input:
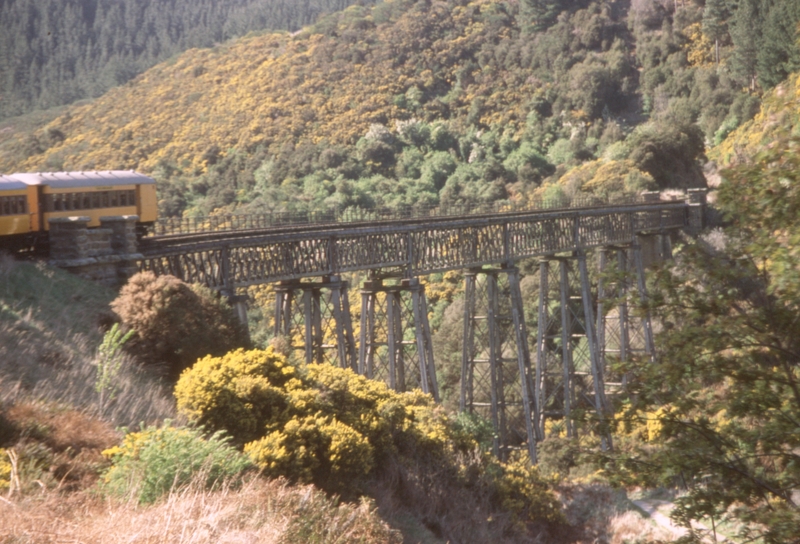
(272, 89)
(53, 52)
(415, 102)
(779, 117)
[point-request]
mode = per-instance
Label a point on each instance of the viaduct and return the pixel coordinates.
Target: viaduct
(590, 266)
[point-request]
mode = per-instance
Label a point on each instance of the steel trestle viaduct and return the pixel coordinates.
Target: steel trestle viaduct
(523, 390)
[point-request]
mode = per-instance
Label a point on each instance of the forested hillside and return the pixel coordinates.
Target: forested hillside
(420, 102)
(53, 52)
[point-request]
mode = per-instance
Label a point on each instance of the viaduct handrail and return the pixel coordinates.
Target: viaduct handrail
(234, 222)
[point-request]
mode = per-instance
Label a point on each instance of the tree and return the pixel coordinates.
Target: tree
(715, 25)
(779, 54)
(176, 323)
(724, 397)
(745, 33)
(542, 13)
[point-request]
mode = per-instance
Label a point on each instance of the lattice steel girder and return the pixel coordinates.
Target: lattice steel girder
(395, 338)
(495, 342)
(306, 311)
(419, 247)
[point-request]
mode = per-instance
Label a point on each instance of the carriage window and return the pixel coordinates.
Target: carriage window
(58, 202)
(86, 201)
(95, 200)
(114, 199)
(123, 198)
(104, 199)
(13, 205)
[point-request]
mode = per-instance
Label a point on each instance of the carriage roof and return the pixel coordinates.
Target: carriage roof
(9, 183)
(63, 180)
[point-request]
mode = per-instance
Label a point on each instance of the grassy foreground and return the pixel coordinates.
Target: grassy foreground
(54, 426)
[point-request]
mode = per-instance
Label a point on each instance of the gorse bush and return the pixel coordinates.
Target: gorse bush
(522, 491)
(345, 433)
(325, 425)
(176, 323)
(156, 460)
(243, 392)
(5, 470)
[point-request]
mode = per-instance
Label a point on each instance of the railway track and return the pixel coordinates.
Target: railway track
(155, 244)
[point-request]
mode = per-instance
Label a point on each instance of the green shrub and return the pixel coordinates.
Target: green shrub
(176, 323)
(156, 460)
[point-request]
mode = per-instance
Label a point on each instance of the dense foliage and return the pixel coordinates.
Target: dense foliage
(779, 115)
(175, 323)
(344, 433)
(413, 102)
(723, 401)
(55, 52)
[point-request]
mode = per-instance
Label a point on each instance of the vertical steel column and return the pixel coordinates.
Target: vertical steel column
(495, 352)
(566, 351)
(366, 348)
(304, 314)
(624, 324)
(316, 323)
(601, 406)
(394, 309)
(495, 366)
(344, 293)
(468, 348)
(540, 391)
(402, 313)
(600, 328)
(343, 346)
(308, 320)
(428, 341)
(419, 336)
(283, 310)
(523, 361)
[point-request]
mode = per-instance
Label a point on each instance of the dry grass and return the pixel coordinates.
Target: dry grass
(262, 511)
(50, 326)
(603, 514)
(630, 527)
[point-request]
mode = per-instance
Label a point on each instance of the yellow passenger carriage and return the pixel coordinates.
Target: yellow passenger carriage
(29, 200)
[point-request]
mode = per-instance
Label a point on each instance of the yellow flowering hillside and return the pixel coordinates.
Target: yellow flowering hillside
(779, 117)
(326, 83)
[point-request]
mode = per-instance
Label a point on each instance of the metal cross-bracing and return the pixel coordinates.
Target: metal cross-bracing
(496, 363)
(395, 339)
(314, 317)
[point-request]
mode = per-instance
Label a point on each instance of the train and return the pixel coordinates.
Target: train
(29, 200)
